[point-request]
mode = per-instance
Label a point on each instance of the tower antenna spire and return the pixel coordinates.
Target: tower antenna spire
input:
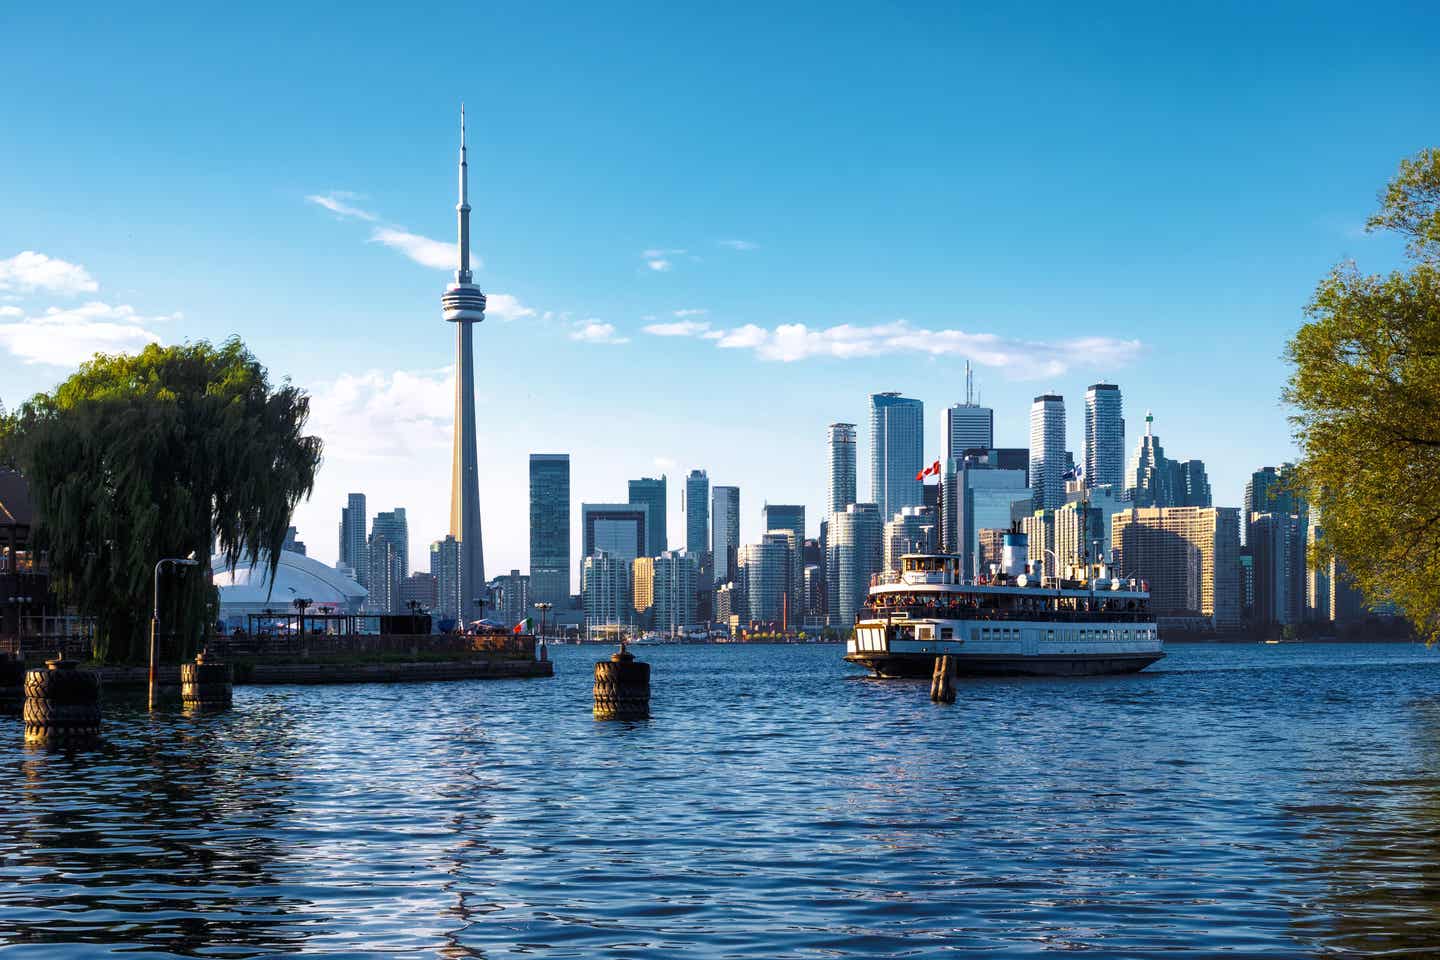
(462, 274)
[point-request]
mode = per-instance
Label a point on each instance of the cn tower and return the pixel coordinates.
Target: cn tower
(464, 306)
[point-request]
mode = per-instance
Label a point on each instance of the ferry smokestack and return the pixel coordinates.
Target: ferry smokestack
(1014, 550)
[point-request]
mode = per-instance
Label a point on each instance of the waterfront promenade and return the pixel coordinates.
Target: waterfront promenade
(1270, 801)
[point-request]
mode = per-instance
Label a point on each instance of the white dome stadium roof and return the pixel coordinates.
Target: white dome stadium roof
(247, 589)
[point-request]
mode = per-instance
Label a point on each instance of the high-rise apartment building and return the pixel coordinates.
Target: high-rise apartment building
(510, 598)
(674, 575)
(1188, 556)
(651, 493)
(445, 560)
(642, 590)
(978, 496)
(389, 550)
(354, 538)
(1047, 451)
(605, 589)
(1277, 546)
(1104, 435)
(696, 507)
(724, 531)
(897, 452)
(790, 517)
(418, 589)
(765, 568)
(840, 438)
(912, 530)
(550, 527)
(856, 553)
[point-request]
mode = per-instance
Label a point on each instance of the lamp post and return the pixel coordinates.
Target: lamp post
(155, 612)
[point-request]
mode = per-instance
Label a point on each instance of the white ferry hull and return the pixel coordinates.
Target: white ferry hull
(991, 648)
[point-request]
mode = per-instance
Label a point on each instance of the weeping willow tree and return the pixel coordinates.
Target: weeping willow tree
(162, 454)
(1366, 388)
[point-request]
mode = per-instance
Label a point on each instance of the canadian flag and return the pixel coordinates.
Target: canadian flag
(932, 470)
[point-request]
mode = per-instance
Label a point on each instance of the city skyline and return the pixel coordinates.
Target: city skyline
(723, 283)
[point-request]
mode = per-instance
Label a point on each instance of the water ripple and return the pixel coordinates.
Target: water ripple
(1257, 801)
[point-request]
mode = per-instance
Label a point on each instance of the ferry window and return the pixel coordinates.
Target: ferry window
(1050, 635)
(947, 633)
(974, 634)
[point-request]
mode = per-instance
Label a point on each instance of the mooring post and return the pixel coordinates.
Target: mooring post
(622, 687)
(942, 681)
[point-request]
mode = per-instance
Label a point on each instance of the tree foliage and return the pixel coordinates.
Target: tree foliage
(160, 454)
(1366, 391)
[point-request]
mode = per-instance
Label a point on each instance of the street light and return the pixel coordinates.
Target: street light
(189, 561)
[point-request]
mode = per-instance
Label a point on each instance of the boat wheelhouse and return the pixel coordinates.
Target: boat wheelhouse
(1010, 621)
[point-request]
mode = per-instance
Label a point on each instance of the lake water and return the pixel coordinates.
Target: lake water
(1277, 801)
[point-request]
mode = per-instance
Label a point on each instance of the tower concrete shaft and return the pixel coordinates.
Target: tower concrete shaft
(464, 305)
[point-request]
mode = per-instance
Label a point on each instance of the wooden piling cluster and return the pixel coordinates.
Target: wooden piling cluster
(206, 684)
(62, 702)
(942, 680)
(622, 688)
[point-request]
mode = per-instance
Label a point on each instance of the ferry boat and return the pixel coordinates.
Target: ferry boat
(1008, 622)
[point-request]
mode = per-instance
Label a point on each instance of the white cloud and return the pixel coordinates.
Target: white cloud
(337, 202)
(1022, 359)
(505, 306)
(741, 245)
(691, 312)
(593, 331)
(67, 338)
(427, 252)
(680, 328)
(377, 415)
(659, 260)
(11, 312)
(30, 271)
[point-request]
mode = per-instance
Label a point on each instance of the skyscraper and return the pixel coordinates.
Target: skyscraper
(841, 439)
(464, 306)
(724, 530)
(674, 590)
(897, 452)
(1277, 544)
(651, 493)
(766, 571)
(445, 568)
(1104, 435)
(697, 513)
(550, 527)
(617, 529)
(605, 587)
(1151, 478)
(790, 517)
(968, 426)
(1189, 557)
(1047, 451)
(1194, 484)
(856, 553)
(353, 537)
(389, 551)
(912, 530)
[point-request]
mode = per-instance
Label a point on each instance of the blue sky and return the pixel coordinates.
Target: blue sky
(1060, 194)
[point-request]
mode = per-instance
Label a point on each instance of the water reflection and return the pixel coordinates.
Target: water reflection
(1261, 803)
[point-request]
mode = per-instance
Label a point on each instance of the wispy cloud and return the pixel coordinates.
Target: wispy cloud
(678, 328)
(379, 415)
(593, 331)
(658, 259)
(426, 251)
(30, 272)
(69, 337)
(504, 306)
(691, 312)
(1022, 359)
(741, 245)
(435, 254)
(338, 202)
